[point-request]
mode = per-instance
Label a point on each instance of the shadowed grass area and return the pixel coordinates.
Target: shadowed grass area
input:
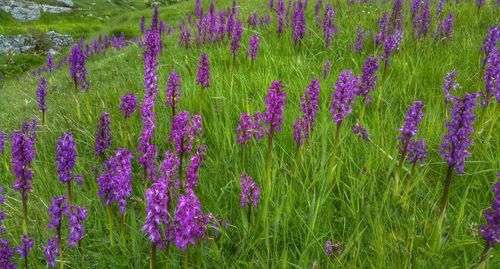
(357, 210)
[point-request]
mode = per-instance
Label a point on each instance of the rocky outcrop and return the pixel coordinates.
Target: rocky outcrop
(28, 10)
(27, 43)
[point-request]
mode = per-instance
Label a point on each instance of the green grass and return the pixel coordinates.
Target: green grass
(357, 210)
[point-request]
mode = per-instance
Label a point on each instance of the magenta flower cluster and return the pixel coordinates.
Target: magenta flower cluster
(368, 79)
(190, 222)
(409, 130)
(128, 104)
(253, 48)
(41, 93)
(491, 231)
(66, 157)
(249, 127)
(309, 106)
(77, 69)
(359, 130)
(275, 104)
(203, 74)
(344, 95)
(115, 183)
(23, 153)
(77, 215)
(250, 191)
(185, 128)
(456, 143)
(173, 91)
(157, 219)
(103, 137)
(449, 85)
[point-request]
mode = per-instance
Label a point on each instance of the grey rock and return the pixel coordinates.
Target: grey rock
(27, 10)
(21, 10)
(68, 3)
(15, 44)
(54, 9)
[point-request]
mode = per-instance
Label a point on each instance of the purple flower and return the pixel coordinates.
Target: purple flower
(77, 215)
(391, 45)
(490, 41)
(457, 141)
(326, 69)
(275, 103)
(50, 63)
(309, 107)
(169, 169)
(198, 9)
(368, 79)
(343, 97)
(250, 191)
(253, 47)
(328, 25)
(128, 105)
(492, 76)
(41, 92)
(397, 15)
(77, 68)
(154, 18)
(280, 9)
(51, 251)
(56, 210)
(190, 223)
(491, 231)
(439, 9)
(383, 32)
(415, 7)
(417, 152)
(185, 128)
(25, 248)
(6, 255)
(157, 200)
(361, 131)
(103, 136)
(185, 38)
(142, 24)
(358, 45)
(252, 19)
(479, 3)
(173, 91)
(23, 153)
(66, 157)
(409, 130)
(115, 183)
(203, 74)
(235, 42)
(146, 148)
(449, 85)
(2, 142)
(422, 20)
(194, 167)
(332, 249)
(29, 128)
(298, 22)
(445, 28)
(249, 126)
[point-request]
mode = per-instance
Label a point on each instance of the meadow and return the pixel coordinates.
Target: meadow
(308, 195)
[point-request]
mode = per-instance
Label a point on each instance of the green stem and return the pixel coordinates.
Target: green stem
(334, 154)
(493, 121)
(446, 191)
(186, 259)
(152, 263)
(70, 193)
(110, 218)
(25, 212)
(410, 179)
(481, 119)
(297, 160)
(122, 227)
(484, 256)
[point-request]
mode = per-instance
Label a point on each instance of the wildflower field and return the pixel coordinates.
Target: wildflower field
(258, 134)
